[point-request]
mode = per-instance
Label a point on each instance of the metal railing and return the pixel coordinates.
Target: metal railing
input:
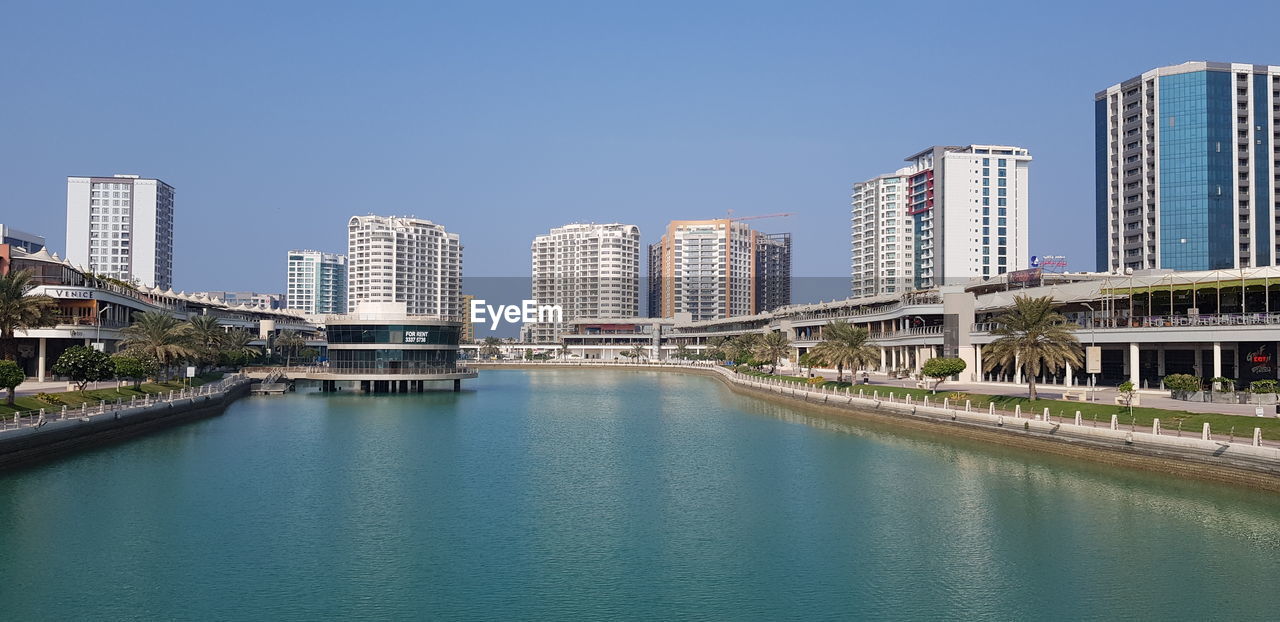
(86, 411)
(355, 371)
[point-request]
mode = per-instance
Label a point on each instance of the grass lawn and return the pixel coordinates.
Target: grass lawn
(73, 399)
(1141, 417)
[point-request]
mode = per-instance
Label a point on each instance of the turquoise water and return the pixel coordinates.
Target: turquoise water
(581, 494)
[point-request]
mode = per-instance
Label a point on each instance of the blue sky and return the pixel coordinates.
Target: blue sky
(276, 122)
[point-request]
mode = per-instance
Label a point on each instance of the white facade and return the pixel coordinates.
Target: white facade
(121, 227)
(881, 236)
(317, 282)
(590, 270)
(969, 208)
(404, 259)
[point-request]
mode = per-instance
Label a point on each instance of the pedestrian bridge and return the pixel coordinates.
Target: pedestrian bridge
(366, 379)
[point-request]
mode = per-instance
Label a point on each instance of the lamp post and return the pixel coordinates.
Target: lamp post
(101, 310)
(1093, 343)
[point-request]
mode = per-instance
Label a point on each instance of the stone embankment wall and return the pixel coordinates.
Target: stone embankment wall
(77, 430)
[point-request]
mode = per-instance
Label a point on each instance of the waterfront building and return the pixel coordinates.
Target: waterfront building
(1211, 324)
(718, 268)
(379, 346)
(121, 227)
(589, 270)
(28, 242)
(316, 282)
(468, 327)
(1186, 168)
(404, 259)
(248, 299)
(881, 235)
(91, 310)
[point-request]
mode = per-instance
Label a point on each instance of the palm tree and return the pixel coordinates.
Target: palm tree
(1034, 336)
(236, 345)
(844, 345)
(160, 336)
(18, 311)
(682, 352)
(716, 348)
(491, 347)
(207, 337)
(289, 342)
(772, 347)
(743, 347)
(638, 351)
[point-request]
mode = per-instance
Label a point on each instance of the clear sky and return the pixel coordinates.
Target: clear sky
(276, 122)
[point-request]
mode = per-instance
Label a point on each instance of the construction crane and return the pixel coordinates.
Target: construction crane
(778, 215)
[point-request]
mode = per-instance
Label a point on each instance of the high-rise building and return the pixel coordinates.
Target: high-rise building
(29, 242)
(589, 270)
(951, 215)
(713, 269)
(404, 259)
(1186, 168)
(882, 235)
(121, 227)
(773, 271)
(968, 207)
(468, 334)
(317, 282)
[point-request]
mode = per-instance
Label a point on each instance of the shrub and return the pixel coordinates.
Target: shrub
(10, 377)
(1262, 386)
(49, 398)
(816, 380)
(941, 368)
(1227, 385)
(1182, 383)
(84, 365)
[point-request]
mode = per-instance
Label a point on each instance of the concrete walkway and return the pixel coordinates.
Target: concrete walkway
(1104, 395)
(32, 387)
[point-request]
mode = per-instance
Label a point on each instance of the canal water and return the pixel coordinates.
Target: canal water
(594, 494)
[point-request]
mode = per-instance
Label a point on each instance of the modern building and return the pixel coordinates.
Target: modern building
(92, 311)
(468, 327)
(28, 242)
(968, 207)
(404, 259)
(714, 269)
(121, 227)
(1186, 168)
(380, 347)
(881, 235)
(317, 282)
(249, 299)
(589, 270)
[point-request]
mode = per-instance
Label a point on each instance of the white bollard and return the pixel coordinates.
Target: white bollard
(1155, 427)
(1017, 410)
(1046, 413)
(946, 403)
(1257, 437)
(1204, 433)
(991, 408)
(1078, 418)
(1115, 422)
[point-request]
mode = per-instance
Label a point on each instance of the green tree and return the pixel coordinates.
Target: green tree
(308, 354)
(159, 336)
(743, 347)
(638, 351)
(18, 311)
(806, 363)
(207, 338)
(10, 377)
(683, 353)
(84, 365)
(844, 345)
(1034, 336)
(135, 368)
(491, 347)
(238, 348)
(717, 349)
(288, 342)
(772, 347)
(941, 368)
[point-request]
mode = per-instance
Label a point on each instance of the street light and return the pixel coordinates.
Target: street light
(1093, 343)
(101, 310)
